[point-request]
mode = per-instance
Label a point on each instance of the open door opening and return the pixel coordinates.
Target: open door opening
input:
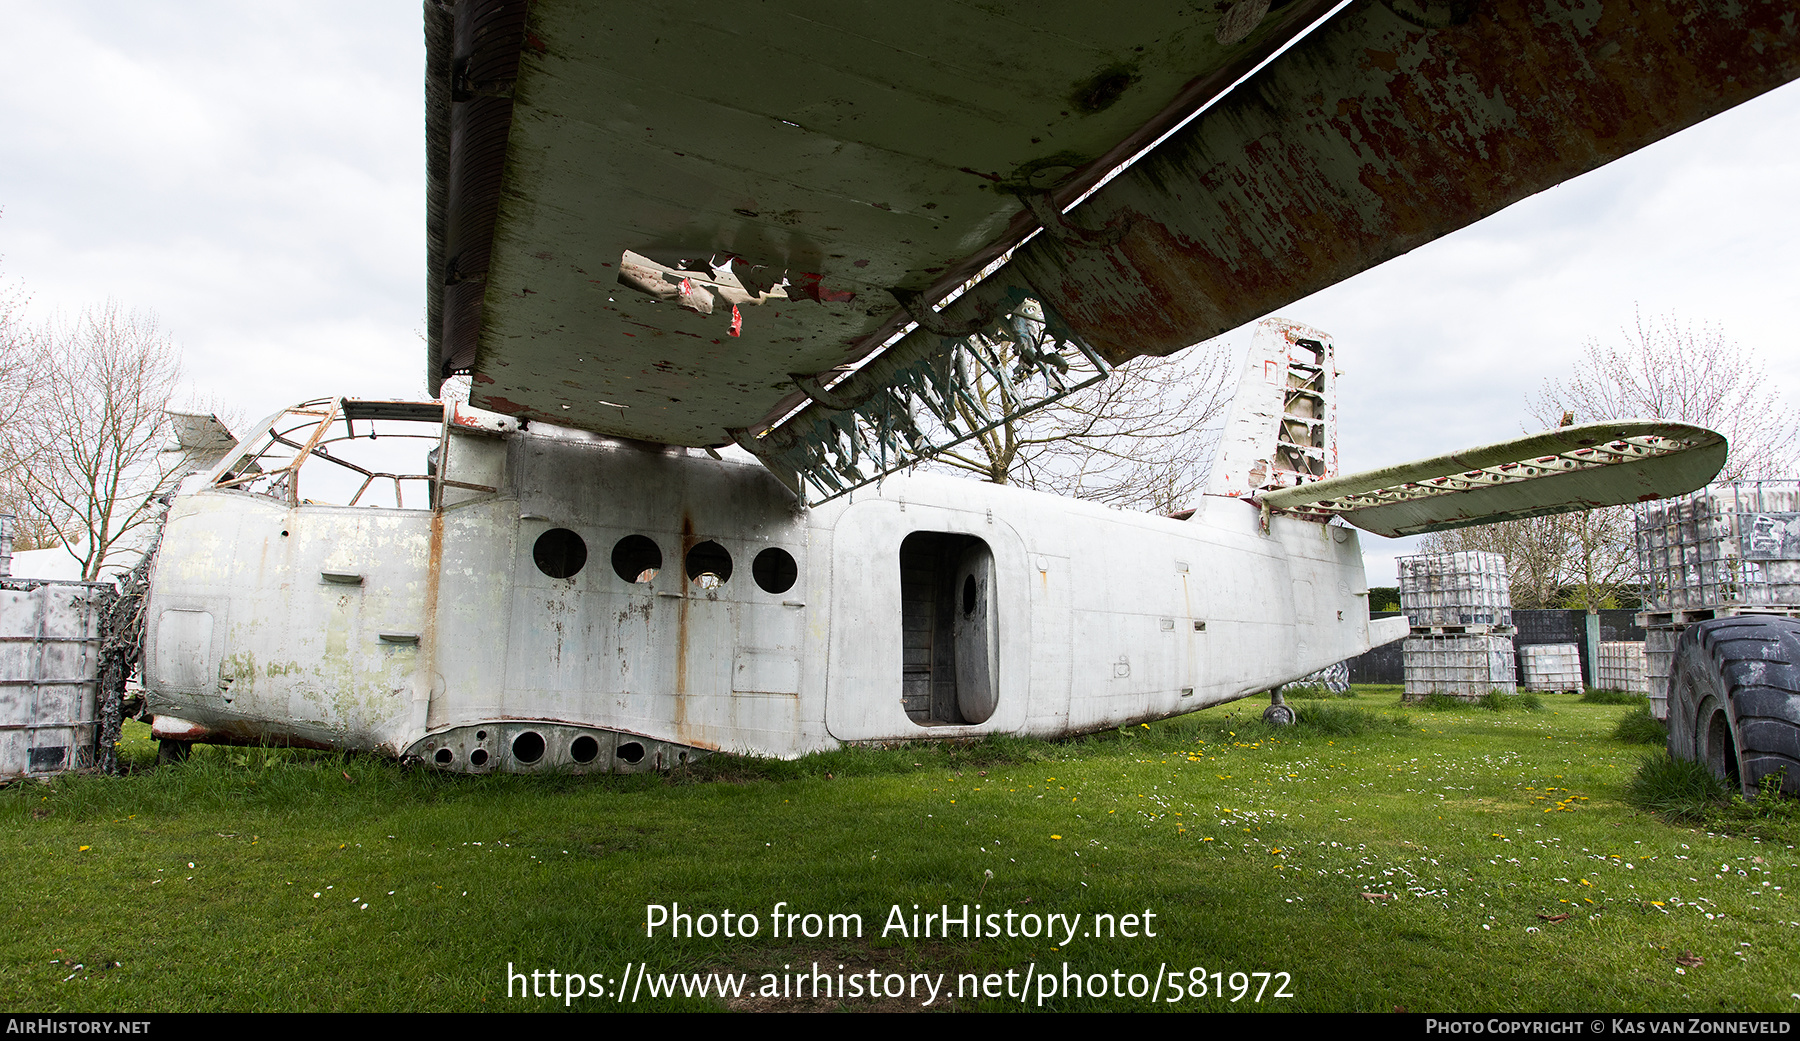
(950, 660)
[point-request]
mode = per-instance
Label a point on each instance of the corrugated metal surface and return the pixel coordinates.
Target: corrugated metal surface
(49, 662)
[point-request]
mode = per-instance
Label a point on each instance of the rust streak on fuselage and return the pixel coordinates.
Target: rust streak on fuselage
(428, 629)
(681, 628)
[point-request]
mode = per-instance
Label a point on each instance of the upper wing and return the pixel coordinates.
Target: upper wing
(681, 223)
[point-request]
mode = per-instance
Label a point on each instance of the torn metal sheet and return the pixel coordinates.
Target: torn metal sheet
(1558, 471)
(1283, 425)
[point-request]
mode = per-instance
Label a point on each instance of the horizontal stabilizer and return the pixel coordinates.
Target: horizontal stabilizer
(1558, 471)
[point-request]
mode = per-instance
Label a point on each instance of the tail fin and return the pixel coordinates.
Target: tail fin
(1558, 471)
(1283, 426)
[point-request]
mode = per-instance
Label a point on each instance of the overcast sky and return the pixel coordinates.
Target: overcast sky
(254, 174)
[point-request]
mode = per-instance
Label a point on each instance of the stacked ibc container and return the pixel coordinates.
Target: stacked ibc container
(1550, 667)
(1549, 657)
(1623, 666)
(1461, 613)
(1728, 549)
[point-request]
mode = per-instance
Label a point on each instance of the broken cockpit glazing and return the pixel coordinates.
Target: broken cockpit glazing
(356, 453)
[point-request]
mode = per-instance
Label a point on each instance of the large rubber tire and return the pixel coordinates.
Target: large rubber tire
(1734, 700)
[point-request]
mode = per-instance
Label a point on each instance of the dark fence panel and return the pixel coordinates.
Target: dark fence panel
(1382, 664)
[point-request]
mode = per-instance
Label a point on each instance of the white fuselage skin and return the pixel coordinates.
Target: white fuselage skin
(438, 633)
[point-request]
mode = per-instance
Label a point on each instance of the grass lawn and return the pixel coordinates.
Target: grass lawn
(1379, 856)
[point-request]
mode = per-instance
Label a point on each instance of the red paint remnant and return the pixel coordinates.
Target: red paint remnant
(544, 254)
(860, 263)
(532, 41)
(1387, 61)
(990, 176)
(483, 378)
(807, 285)
(737, 321)
(504, 405)
(168, 728)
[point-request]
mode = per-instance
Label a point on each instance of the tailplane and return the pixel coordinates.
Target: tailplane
(1558, 471)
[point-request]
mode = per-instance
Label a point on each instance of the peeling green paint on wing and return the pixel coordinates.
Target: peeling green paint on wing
(1558, 471)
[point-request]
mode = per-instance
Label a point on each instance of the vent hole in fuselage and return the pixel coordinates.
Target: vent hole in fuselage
(631, 752)
(584, 749)
(528, 747)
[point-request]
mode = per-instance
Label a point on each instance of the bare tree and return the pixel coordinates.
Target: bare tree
(21, 379)
(1140, 439)
(1536, 552)
(87, 456)
(1661, 369)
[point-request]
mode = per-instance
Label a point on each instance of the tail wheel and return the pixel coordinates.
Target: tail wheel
(1734, 700)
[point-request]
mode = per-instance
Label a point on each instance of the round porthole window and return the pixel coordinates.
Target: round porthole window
(774, 570)
(708, 565)
(559, 553)
(636, 558)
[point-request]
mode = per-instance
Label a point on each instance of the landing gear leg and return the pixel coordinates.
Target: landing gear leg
(1278, 713)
